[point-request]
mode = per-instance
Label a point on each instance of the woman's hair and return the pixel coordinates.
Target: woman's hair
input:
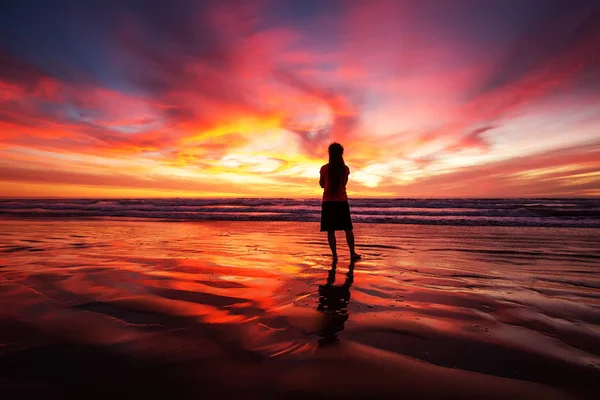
(337, 167)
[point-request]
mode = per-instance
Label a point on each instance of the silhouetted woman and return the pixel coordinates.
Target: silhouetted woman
(335, 211)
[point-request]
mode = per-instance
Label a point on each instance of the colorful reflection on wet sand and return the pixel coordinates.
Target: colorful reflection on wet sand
(181, 308)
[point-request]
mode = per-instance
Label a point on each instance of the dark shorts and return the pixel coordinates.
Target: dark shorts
(335, 216)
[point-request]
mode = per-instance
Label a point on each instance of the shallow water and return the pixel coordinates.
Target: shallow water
(196, 303)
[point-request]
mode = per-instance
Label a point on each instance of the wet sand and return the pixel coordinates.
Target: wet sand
(118, 308)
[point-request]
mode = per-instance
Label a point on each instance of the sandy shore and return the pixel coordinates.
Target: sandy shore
(256, 310)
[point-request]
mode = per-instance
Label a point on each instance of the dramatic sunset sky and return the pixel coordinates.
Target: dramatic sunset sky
(436, 98)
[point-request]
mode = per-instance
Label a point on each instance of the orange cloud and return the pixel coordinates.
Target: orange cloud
(232, 100)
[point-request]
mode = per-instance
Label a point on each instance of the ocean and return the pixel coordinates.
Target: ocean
(540, 212)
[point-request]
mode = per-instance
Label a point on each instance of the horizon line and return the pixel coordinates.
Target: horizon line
(295, 198)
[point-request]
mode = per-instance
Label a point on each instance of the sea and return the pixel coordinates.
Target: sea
(540, 212)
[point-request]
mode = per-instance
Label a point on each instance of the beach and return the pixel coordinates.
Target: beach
(97, 307)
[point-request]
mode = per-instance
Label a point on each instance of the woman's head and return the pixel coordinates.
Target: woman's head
(336, 151)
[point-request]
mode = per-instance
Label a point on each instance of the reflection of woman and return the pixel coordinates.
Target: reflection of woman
(333, 302)
(335, 211)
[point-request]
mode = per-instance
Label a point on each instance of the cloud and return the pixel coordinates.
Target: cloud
(474, 140)
(424, 96)
(556, 173)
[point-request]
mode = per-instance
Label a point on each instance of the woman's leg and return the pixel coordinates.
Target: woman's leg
(350, 240)
(332, 244)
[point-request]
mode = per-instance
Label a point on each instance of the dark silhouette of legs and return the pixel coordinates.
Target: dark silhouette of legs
(350, 240)
(332, 243)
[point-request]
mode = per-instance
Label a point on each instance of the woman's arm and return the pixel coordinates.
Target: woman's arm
(322, 179)
(347, 174)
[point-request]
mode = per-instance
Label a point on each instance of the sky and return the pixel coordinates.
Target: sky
(240, 98)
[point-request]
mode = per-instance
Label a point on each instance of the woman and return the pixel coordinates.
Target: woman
(335, 211)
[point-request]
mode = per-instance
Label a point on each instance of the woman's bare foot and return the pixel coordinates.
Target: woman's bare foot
(355, 257)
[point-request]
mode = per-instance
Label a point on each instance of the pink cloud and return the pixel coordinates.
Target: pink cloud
(395, 81)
